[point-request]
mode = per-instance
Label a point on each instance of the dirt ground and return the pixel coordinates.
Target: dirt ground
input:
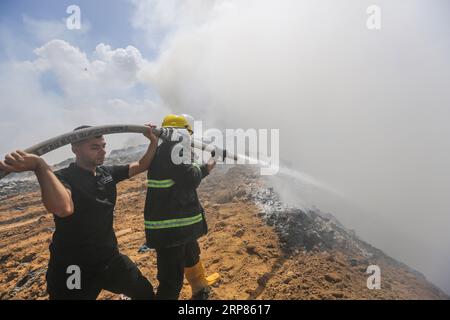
(240, 246)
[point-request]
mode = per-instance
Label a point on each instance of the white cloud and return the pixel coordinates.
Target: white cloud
(25, 108)
(108, 71)
(97, 88)
(122, 65)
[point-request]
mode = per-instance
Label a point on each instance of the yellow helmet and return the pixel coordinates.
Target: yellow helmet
(176, 121)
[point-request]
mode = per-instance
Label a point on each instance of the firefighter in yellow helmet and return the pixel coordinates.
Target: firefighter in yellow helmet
(177, 121)
(175, 219)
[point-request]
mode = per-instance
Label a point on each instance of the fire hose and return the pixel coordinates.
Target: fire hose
(165, 134)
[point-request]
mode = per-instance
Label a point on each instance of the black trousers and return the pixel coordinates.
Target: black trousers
(171, 263)
(120, 275)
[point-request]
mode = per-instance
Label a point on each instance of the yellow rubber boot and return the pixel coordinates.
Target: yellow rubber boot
(198, 281)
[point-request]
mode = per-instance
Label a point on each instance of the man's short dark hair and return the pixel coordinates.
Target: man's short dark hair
(83, 127)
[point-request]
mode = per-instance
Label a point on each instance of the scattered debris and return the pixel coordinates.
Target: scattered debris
(143, 249)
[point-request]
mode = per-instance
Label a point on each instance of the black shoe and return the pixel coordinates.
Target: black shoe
(202, 294)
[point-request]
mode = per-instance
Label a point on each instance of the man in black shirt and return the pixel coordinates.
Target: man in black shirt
(84, 257)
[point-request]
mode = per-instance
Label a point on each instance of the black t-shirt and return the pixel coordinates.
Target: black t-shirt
(88, 235)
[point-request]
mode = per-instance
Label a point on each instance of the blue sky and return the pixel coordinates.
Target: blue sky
(109, 22)
(26, 25)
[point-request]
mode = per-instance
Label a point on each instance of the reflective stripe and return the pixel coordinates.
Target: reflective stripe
(160, 183)
(173, 223)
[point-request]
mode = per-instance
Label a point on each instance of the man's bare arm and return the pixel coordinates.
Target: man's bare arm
(56, 197)
(144, 163)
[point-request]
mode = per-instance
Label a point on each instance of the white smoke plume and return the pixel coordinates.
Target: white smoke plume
(363, 111)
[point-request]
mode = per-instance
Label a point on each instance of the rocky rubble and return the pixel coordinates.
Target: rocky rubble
(262, 247)
(310, 229)
(298, 229)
